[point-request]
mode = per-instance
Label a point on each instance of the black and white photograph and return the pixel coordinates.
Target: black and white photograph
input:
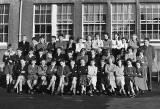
(79, 54)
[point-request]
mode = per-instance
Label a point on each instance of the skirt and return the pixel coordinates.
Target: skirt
(120, 81)
(83, 80)
(141, 83)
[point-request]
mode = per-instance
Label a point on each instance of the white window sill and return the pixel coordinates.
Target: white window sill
(3, 45)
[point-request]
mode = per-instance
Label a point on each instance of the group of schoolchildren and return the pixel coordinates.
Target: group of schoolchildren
(92, 67)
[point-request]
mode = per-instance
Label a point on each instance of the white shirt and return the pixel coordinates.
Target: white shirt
(92, 71)
(117, 44)
(79, 46)
(97, 44)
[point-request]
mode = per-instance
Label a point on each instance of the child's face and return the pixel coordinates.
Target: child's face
(43, 62)
(92, 63)
(42, 40)
(58, 51)
(53, 63)
(70, 54)
(102, 62)
(19, 52)
(72, 63)
(130, 50)
(129, 63)
(40, 52)
(53, 39)
(23, 62)
(93, 52)
(80, 41)
(97, 37)
(116, 36)
(62, 63)
(138, 65)
(33, 62)
(106, 36)
(141, 53)
(89, 38)
(82, 62)
(110, 60)
(119, 62)
(123, 40)
(60, 38)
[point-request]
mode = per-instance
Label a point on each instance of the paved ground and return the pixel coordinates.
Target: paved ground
(14, 101)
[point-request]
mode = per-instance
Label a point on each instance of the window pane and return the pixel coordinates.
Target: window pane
(1, 28)
(150, 21)
(1, 9)
(1, 37)
(123, 19)
(94, 17)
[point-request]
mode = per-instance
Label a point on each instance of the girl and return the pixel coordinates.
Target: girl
(110, 69)
(140, 80)
(74, 76)
(71, 45)
(144, 62)
(102, 77)
(22, 71)
(93, 56)
(134, 43)
(8, 59)
(92, 77)
(63, 73)
(88, 43)
(42, 76)
(130, 54)
(82, 72)
(51, 74)
(58, 56)
(79, 45)
(107, 42)
(116, 45)
(32, 75)
(97, 43)
(82, 55)
(120, 77)
(48, 58)
(130, 73)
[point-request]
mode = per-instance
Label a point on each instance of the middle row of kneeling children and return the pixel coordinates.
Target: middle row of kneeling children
(83, 79)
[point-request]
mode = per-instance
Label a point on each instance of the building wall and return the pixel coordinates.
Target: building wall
(27, 17)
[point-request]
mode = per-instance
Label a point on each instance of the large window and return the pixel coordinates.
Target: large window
(42, 20)
(150, 21)
(94, 19)
(53, 19)
(4, 19)
(65, 19)
(123, 19)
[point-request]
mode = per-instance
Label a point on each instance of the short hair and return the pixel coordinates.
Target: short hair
(9, 46)
(60, 35)
(53, 37)
(71, 38)
(112, 57)
(130, 48)
(147, 39)
(129, 59)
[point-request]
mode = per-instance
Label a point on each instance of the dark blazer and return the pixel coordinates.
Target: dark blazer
(74, 72)
(39, 59)
(149, 52)
(20, 69)
(51, 47)
(50, 71)
(24, 47)
(72, 47)
(63, 71)
(32, 70)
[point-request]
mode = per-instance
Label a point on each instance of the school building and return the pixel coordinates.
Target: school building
(78, 18)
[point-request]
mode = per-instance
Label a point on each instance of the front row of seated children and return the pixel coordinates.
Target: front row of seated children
(108, 78)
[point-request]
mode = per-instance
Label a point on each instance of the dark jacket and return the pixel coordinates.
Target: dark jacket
(63, 71)
(24, 47)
